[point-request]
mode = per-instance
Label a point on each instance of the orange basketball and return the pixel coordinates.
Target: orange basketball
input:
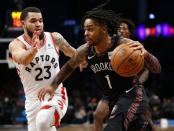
(125, 61)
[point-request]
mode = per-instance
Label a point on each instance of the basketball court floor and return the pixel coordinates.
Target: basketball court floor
(86, 127)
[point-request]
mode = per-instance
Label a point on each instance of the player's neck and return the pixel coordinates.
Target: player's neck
(103, 46)
(29, 39)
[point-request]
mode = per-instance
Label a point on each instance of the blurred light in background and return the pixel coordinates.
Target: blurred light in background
(160, 30)
(151, 16)
(140, 32)
(15, 17)
(166, 30)
(71, 22)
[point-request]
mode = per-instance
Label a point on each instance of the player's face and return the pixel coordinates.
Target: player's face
(124, 30)
(34, 22)
(93, 32)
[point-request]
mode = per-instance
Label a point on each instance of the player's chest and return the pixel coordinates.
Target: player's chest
(100, 63)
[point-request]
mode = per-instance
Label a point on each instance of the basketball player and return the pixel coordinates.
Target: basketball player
(126, 29)
(36, 54)
(128, 99)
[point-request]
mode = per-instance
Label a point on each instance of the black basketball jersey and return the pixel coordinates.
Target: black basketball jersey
(112, 84)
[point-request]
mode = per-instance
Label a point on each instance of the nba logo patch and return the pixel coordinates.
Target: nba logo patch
(109, 55)
(49, 46)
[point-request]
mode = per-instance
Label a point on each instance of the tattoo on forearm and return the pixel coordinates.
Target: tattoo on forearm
(66, 47)
(70, 66)
(152, 63)
(64, 73)
(59, 41)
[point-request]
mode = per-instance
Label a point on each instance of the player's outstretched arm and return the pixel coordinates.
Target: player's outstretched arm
(65, 71)
(73, 63)
(63, 45)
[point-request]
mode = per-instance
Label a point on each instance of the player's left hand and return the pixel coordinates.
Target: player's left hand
(44, 91)
(35, 40)
(83, 65)
(136, 45)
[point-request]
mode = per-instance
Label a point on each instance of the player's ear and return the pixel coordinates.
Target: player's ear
(22, 22)
(104, 28)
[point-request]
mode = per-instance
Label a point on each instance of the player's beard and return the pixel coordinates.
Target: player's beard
(30, 33)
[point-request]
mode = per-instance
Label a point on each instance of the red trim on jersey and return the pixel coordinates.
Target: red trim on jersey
(60, 103)
(54, 43)
(29, 41)
(63, 93)
(44, 41)
(18, 71)
(45, 107)
(57, 117)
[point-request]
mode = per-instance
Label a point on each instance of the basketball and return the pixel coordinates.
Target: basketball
(125, 61)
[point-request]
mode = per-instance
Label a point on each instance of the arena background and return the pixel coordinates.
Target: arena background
(154, 28)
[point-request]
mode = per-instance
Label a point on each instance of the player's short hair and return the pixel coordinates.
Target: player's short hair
(25, 11)
(104, 17)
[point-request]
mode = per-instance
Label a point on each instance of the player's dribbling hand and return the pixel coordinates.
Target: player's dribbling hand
(44, 91)
(136, 45)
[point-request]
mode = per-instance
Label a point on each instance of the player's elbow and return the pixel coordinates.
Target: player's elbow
(22, 61)
(25, 62)
(156, 70)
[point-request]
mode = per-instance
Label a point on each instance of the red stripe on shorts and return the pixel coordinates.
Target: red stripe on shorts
(45, 107)
(63, 93)
(57, 117)
(133, 108)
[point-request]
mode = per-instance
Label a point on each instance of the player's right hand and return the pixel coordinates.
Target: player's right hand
(35, 40)
(45, 90)
(83, 65)
(136, 45)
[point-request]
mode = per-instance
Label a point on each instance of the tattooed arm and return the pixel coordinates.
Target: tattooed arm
(66, 71)
(152, 63)
(63, 45)
(143, 75)
(73, 63)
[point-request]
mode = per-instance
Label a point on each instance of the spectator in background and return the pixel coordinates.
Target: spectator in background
(127, 28)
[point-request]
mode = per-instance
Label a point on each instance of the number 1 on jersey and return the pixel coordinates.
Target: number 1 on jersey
(108, 80)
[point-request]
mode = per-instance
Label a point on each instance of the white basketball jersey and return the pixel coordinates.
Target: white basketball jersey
(42, 70)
